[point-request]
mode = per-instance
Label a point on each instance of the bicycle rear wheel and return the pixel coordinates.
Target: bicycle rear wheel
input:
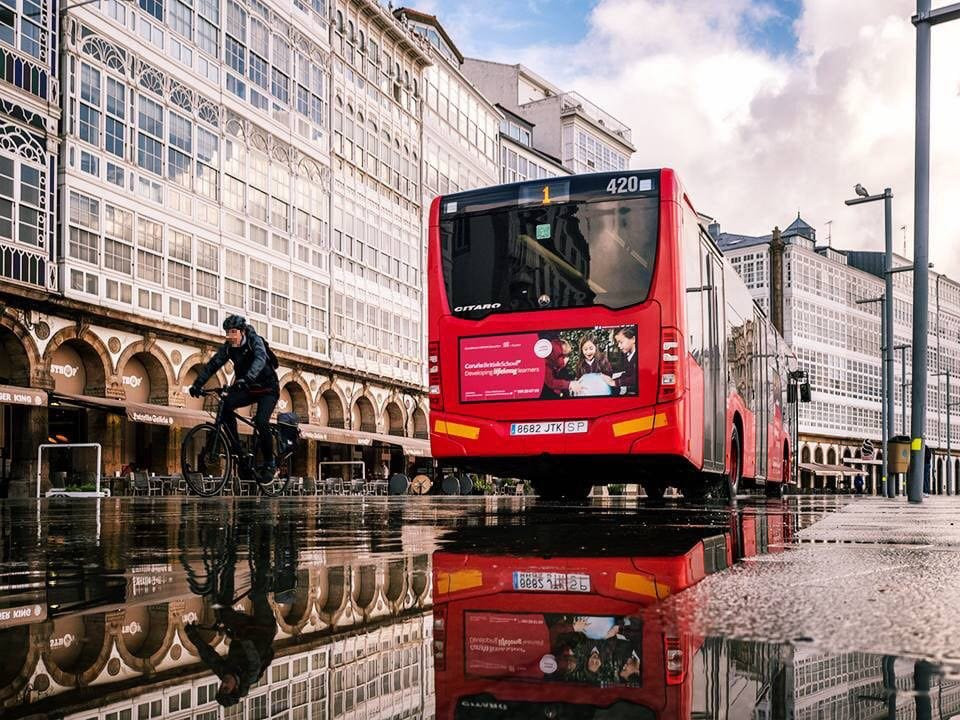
(205, 460)
(280, 481)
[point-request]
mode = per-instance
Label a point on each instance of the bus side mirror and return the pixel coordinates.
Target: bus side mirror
(805, 392)
(791, 393)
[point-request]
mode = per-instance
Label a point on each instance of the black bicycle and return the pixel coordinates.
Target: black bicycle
(209, 457)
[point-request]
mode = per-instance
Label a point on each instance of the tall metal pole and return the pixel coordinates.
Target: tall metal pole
(949, 456)
(903, 388)
(921, 256)
(939, 402)
(888, 430)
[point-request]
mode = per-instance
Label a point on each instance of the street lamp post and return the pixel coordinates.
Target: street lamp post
(886, 395)
(904, 384)
(886, 324)
(924, 21)
(946, 373)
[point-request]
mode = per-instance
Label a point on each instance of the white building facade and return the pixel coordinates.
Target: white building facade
(838, 342)
(565, 125)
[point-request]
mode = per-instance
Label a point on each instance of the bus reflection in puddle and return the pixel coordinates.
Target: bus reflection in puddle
(576, 635)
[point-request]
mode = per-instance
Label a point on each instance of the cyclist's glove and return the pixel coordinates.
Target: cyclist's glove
(195, 391)
(241, 384)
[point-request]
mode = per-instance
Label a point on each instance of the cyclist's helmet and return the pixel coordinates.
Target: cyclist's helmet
(234, 322)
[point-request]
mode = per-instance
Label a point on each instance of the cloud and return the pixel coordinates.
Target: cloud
(760, 133)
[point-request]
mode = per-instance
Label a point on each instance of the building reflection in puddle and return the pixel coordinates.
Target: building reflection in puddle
(517, 616)
(244, 625)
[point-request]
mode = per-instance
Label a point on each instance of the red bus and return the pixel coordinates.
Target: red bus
(521, 633)
(587, 330)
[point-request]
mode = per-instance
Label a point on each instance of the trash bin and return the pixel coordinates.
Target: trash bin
(899, 451)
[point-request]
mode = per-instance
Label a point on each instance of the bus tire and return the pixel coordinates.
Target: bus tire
(734, 476)
(654, 490)
(556, 489)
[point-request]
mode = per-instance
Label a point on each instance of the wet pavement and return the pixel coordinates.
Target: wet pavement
(133, 609)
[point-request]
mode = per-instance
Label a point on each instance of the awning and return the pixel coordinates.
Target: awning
(142, 412)
(322, 433)
(820, 469)
(13, 395)
(862, 461)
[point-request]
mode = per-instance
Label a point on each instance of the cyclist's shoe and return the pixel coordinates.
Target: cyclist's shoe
(268, 470)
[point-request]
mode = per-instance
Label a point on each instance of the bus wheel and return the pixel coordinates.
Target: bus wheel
(555, 489)
(654, 490)
(733, 477)
(774, 489)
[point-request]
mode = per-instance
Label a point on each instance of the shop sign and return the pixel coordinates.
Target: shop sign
(22, 614)
(64, 641)
(65, 370)
(133, 628)
(21, 396)
(145, 416)
(133, 381)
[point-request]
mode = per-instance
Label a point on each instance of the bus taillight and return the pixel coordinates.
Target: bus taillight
(433, 365)
(673, 657)
(671, 347)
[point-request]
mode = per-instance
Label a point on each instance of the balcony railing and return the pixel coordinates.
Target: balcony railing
(576, 101)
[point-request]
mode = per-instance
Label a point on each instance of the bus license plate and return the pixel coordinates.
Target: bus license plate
(549, 427)
(551, 582)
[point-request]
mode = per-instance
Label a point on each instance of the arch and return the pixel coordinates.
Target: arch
(393, 419)
(18, 347)
(16, 663)
(848, 453)
(396, 580)
(292, 608)
(805, 454)
(299, 395)
(79, 648)
(144, 635)
(420, 577)
(159, 370)
(420, 428)
(364, 413)
(195, 362)
(366, 584)
(334, 406)
(93, 353)
(818, 455)
(336, 597)
(832, 456)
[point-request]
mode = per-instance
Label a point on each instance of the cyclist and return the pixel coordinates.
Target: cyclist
(255, 382)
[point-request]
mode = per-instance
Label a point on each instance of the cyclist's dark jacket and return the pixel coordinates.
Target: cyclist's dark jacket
(249, 363)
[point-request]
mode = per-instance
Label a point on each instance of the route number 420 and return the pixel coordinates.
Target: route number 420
(627, 184)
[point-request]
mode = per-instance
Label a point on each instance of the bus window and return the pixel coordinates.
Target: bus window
(549, 256)
(694, 286)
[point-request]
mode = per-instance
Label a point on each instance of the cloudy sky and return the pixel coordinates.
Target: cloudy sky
(765, 107)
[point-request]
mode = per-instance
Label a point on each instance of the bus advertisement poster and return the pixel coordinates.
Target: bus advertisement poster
(554, 364)
(539, 646)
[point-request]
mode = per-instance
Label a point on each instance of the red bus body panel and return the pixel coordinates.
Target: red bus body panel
(645, 425)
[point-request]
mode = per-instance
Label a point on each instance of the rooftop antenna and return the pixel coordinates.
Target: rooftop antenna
(829, 225)
(904, 228)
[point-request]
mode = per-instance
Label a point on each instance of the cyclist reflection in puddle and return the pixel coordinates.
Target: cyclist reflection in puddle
(250, 634)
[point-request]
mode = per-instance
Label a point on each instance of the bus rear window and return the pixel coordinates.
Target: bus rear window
(544, 257)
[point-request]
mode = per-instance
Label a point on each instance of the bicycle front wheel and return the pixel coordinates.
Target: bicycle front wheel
(205, 460)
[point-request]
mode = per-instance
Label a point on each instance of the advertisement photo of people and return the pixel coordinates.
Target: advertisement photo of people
(549, 365)
(592, 649)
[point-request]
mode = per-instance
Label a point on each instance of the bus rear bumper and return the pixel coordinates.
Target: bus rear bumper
(653, 430)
